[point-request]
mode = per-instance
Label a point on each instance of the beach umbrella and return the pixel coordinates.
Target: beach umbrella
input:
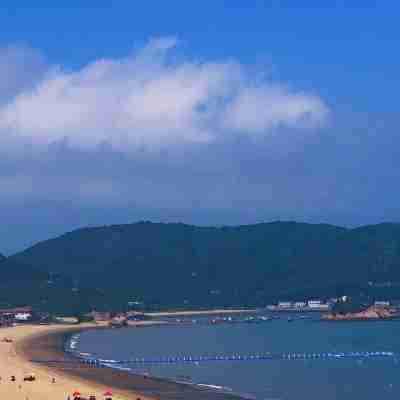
(108, 392)
(76, 393)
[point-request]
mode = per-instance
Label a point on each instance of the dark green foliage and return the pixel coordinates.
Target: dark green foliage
(21, 285)
(12, 270)
(177, 265)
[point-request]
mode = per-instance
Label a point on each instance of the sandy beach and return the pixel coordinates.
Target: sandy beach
(14, 361)
(33, 342)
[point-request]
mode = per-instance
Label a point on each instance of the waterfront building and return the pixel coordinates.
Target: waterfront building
(99, 316)
(382, 303)
(23, 316)
(11, 315)
(314, 303)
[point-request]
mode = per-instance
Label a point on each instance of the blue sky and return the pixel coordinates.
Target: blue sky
(212, 112)
(333, 48)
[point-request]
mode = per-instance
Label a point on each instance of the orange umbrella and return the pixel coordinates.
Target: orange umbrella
(76, 393)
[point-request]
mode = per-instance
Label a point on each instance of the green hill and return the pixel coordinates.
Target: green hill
(14, 271)
(20, 284)
(181, 265)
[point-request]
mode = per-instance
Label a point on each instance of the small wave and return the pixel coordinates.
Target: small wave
(85, 354)
(118, 367)
(73, 342)
(215, 387)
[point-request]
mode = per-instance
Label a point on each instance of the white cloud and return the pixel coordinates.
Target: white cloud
(149, 100)
(259, 109)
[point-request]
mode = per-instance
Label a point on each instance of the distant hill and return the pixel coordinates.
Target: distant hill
(14, 271)
(184, 265)
(19, 283)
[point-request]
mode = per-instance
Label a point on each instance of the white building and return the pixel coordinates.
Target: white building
(315, 304)
(23, 316)
(284, 304)
(300, 304)
(382, 304)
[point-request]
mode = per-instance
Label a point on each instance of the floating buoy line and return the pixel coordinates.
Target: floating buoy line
(99, 362)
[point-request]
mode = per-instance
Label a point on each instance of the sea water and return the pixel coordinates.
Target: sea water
(311, 378)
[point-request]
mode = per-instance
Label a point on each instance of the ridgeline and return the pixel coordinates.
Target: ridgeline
(178, 265)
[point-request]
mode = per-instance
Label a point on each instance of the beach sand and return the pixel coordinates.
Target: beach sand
(14, 361)
(33, 342)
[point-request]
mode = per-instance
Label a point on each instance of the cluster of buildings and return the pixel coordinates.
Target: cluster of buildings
(319, 305)
(309, 305)
(10, 316)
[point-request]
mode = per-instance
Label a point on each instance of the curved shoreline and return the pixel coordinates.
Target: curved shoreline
(48, 344)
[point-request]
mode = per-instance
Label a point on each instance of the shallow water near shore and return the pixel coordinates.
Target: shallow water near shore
(355, 378)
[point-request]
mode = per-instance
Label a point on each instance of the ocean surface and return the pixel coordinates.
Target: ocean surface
(326, 378)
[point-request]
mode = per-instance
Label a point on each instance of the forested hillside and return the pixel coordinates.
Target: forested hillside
(177, 264)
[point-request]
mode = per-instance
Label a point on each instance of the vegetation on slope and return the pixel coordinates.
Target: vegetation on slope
(179, 265)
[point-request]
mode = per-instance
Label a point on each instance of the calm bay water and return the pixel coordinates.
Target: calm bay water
(343, 379)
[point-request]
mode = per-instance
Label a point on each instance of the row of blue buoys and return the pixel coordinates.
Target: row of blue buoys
(238, 357)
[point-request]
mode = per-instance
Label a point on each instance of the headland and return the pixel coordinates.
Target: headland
(369, 314)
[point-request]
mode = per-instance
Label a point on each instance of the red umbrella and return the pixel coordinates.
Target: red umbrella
(76, 393)
(108, 392)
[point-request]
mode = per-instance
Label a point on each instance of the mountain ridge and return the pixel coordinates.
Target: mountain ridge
(176, 263)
